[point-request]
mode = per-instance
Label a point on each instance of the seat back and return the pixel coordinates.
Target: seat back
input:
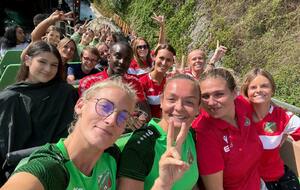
(9, 75)
(74, 62)
(10, 57)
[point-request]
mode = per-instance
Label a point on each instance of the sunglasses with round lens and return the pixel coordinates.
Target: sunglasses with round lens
(142, 47)
(89, 59)
(104, 108)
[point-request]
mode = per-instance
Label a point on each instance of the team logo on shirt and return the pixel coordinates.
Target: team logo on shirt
(190, 157)
(270, 127)
(247, 122)
(104, 181)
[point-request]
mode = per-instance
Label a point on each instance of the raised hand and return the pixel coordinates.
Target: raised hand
(178, 66)
(171, 167)
(219, 53)
(69, 16)
(160, 19)
(83, 28)
(60, 15)
(106, 29)
(182, 64)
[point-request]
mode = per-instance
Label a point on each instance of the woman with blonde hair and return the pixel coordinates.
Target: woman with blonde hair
(67, 49)
(87, 158)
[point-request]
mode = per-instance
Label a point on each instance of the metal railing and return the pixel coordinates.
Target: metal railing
(287, 106)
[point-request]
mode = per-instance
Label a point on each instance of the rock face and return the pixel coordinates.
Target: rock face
(100, 20)
(199, 31)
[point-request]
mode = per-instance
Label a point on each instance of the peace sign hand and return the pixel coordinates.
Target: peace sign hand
(219, 53)
(178, 67)
(160, 19)
(60, 15)
(171, 167)
(83, 28)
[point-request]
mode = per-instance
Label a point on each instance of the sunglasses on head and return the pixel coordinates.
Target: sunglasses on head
(142, 47)
(104, 108)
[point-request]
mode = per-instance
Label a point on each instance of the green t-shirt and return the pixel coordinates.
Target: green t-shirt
(51, 165)
(77, 37)
(141, 155)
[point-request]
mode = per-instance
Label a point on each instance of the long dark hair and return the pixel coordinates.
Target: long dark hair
(9, 38)
(35, 49)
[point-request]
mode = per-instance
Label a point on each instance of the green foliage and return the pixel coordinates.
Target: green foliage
(178, 25)
(286, 79)
(258, 33)
(179, 15)
(261, 34)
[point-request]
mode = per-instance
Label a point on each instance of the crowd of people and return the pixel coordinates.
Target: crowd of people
(189, 127)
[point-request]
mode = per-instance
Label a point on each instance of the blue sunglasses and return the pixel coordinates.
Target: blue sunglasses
(104, 108)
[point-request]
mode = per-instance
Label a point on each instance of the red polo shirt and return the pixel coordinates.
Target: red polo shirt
(235, 151)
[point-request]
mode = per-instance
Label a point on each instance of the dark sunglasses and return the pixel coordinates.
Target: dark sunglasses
(142, 47)
(104, 108)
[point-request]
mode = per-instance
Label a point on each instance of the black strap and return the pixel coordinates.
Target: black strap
(114, 151)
